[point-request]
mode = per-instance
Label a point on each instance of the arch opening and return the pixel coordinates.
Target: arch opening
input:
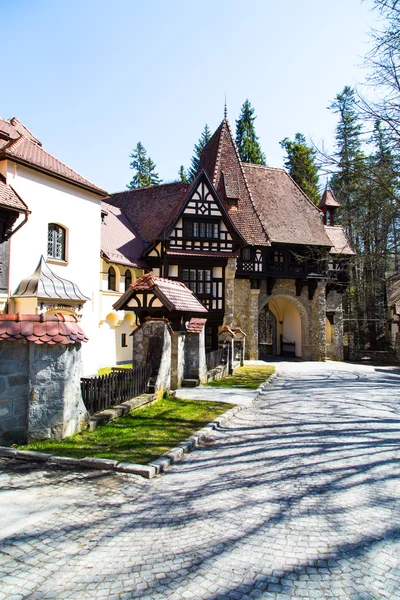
(279, 329)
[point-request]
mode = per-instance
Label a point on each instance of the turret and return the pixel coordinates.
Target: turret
(328, 204)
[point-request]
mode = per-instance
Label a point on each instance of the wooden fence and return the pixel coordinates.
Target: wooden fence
(99, 393)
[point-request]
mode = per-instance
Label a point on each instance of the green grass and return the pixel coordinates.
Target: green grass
(247, 377)
(141, 436)
(107, 370)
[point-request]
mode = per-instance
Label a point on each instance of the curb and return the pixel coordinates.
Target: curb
(156, 467)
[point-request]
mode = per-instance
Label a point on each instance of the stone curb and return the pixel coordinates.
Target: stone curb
(156, 467)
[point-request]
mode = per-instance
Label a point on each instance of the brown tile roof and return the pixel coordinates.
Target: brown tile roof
(220, 159)
(173, 294)
(119, 242)
(285, 211)
(340, 243)
(195, 325)
(23, 147)
(10, 199)
(328, 199)
(152, 209)
(42, 329)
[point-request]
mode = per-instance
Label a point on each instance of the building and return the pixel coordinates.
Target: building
(252, 247)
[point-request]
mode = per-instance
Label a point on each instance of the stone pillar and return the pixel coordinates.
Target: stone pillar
(195, 356)
(40, 377)
(252, 341)
(226, 340)
(318, 326)
(230, 272)
(152, 345)
(334, 307)
(240, 343)
(178, 342)
(56, 409)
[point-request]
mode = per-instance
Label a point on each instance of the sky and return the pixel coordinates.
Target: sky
(91, 78)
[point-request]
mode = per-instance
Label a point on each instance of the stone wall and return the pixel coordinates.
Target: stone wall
(177, 359)
(39, 391)
(335, 309)
(14, 388)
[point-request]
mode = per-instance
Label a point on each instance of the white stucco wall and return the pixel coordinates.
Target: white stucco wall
(54, 201)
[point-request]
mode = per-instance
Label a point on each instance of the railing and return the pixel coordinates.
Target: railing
(214, 358)
(99, 393)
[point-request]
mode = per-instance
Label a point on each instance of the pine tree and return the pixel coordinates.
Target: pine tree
(145, 169)
(198, 149)
(183, 175)
(246, 140)
(300, 162)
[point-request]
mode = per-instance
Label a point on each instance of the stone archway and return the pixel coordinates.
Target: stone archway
(292, 325)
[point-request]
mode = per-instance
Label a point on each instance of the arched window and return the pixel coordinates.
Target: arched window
(112, 279)
(56, 236)
(128, 279)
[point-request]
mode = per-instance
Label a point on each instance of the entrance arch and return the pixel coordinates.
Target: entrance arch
(280, 328)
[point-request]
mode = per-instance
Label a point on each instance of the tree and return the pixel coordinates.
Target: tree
(198, 149)
(183, 175)
(145, 169)
(301, 164)
(246, 139)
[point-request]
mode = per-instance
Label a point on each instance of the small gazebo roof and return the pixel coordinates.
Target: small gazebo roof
(46, 285)
(173, 295)
(328, 200)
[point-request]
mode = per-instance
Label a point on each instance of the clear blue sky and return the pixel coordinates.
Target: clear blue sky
(91, 78)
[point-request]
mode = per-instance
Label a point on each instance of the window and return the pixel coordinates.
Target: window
(246, 254)
(123, 340)
(56, 241)
(198, 280)
(112, 279)
(128, 279)
(201, 229)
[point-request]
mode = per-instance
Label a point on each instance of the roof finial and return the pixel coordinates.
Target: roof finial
(225, 109)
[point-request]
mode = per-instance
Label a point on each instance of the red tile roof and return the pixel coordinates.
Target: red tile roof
(119, 242)
(10, 199)
(42, 329)
(173, 294)
(195, 325)
(339, 241)
(23, 147)
(152, 209)
(285, 211)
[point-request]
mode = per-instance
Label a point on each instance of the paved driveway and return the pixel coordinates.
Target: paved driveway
(297, 497)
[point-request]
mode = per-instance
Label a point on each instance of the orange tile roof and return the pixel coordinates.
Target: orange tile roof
(10, 199)
(340, 243)
(19, 144)
(42, 329)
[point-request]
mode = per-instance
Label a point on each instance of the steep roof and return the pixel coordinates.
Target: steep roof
(151, 209)
(340, 243)
(119, 241)
(173, 294)
(19, 144)
(220, 159)
(10, 199)
(328, 200)
(46, 285)
(286, 213)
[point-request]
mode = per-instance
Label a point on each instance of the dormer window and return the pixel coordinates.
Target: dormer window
(56, 236)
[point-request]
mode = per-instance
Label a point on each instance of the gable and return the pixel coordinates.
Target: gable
(202, 224)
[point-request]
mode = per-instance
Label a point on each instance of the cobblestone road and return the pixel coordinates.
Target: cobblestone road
(297, 497)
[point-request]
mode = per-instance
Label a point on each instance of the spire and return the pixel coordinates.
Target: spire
(225, 110)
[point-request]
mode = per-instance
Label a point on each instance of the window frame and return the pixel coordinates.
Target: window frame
(52, 252)
(192, 229)
(111, 273)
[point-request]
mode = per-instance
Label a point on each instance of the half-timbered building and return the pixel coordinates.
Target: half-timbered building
(252, 247)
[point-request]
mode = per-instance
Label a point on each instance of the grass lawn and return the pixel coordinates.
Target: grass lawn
(248, 377)
(141, 436)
